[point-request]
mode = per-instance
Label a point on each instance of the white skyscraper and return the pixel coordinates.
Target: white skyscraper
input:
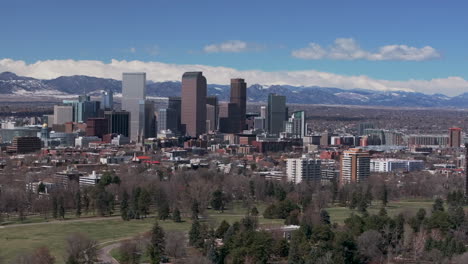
(133, 101)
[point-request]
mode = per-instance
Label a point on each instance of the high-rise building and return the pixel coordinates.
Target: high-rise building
(83, 108)
(133, 101)
(62, 114)
(276, 114)
(168, 120)
(296, 125)
(454, 137)
(175, 104)
(363, 126)
(355, 166)
(194, 103)
(107, 100)
(212, 113)
(97, 126)
(226, 123)
(263, 111)
(303, 169)
(239, 97)
(118, 122)
(466, 170)
(259, 123)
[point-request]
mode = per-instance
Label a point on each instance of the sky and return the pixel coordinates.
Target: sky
(381, 45)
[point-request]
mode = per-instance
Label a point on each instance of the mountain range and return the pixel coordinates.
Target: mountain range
(12, 84)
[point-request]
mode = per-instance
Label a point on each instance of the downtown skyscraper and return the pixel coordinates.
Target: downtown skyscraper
(194, 103)
(133, 101)
(276, 114)
(238, 97)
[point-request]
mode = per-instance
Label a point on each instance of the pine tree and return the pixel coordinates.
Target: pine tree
(86, 201)
(54, 207)
(61, 208)
(124, 207)
(254, 211)
(78, 203)
(385, 196)
(176, 216)
(324, 217)
(195, 234)
(438, 205)
(156, 247)
(195, 210)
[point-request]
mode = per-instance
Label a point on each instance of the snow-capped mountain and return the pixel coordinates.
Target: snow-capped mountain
(12, 84)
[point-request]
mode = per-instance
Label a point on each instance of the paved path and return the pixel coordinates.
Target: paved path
(104, 255)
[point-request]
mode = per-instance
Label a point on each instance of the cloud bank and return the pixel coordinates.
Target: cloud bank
(230, 46)
(348, 49)
(157, 71)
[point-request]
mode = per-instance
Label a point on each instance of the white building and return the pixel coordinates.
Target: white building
(303, 169)
(90, 180)
(389, 165)
(83, 142)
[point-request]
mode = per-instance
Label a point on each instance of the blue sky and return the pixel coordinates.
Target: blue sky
(181, 32)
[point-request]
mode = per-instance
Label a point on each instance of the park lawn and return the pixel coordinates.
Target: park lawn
(339, 214)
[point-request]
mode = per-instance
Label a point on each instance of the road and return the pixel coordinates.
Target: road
(104, 255)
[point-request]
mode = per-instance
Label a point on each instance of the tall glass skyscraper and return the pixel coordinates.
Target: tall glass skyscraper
(276, 114)
(133, 101)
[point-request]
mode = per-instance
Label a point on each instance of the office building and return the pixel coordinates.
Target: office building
(62, 114)
(296, 125)
(97, 126)
(363, 126)
(238, 98)
(303, 169)
(389, 165)
(276, 114)
(355, 166)
(454, 137)
(133, 101)
(167, 120)
(259, 123)
(83, 108)
(118, 122)
(428, 140)
(227, 124)
(194, 103)
(23, 145)
(83, 142)
(175, 103)
(107, 100)
(263, 111)
(212, 113)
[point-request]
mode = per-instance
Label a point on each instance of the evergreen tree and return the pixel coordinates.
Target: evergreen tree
(254, 211)
(78, 203)
(156, 247)
(222, 229)
(324, 217)
(176, 216)
(135, 203)
(55, 207)
(384, 196)
(41, 188)
(86, 201)
(116, 180)
(217, 200)
(195, 238)
(195, 210)
(164, 211)
(61, 208)
(124, 207)
(438, 205)
(144, 202)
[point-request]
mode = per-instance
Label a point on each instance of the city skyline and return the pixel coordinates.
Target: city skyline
(359, 46)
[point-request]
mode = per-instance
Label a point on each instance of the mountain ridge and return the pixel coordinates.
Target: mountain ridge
(10, 83)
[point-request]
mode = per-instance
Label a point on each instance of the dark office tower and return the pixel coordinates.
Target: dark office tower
(276, 114)
(454, 137)
(118, 122)
(168, 120)
(97, 126)
(107, 100)
(212, 113)
(238, 97)
(194, 103)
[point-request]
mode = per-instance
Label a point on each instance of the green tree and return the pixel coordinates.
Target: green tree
(124, 207)
(106, 179)
(195, 238)
(299, 248)
(55, 207)
(61, 209)
(281, 248)
(144, 202)
(195, 210)
(176, 216)
(135, 212)
(86, 201)
(254, 211)
(222, 229)
(438, 205)
(116, 180)
(41, 188)
(78, 203)
(218, 200)
(164, 211)
(156, 247)
(384, 195)
(324, 217)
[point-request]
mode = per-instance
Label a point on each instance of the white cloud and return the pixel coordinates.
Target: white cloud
(231, 46)
(348, 49)
(157, 71)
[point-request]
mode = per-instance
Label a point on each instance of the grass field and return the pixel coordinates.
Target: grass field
(18, 239)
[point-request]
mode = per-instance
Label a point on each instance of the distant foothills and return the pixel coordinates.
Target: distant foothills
(12, 84)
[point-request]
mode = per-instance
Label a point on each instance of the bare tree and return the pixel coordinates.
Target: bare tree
(80, 249)
(176, 244)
